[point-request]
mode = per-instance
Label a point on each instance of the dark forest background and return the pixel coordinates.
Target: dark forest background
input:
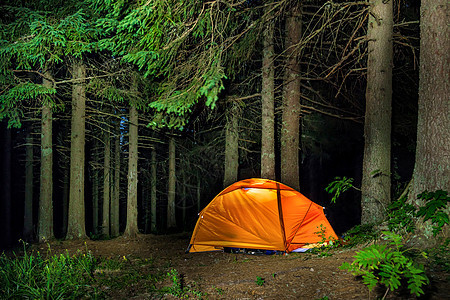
(194, 75)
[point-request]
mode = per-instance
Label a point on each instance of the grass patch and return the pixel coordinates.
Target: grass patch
(33, 276)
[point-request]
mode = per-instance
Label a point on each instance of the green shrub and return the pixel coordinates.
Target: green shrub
(402, 215)
(388, 264)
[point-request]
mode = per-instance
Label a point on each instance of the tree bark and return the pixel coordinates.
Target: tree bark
(95, 188)
(29, 180)
(65, 196)
(432, 166)
(76, 218)
(171, 217)
(290, 127)
(106, 185)
(146, 196)
(131, 229)
(153, 191)
(45, 222)
(232, 145)
(268, 105)
(376, 179)
(183, 193)
(115, 200)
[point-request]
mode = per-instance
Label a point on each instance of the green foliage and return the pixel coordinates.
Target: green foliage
(57, 277)
(260, 281)
(110, 91)
(328, 244)
(392, 264)
(219, 291)
(10, 100)
(212, 85)
(177, 289)
(338, 186)
(434, 209)
(401, 216)
(33, 42)
(388, 264)
(173, 105)
(80, 35)
(440, 257)
(49, 40)
(180, 45)
(360, 234)
(321, 233)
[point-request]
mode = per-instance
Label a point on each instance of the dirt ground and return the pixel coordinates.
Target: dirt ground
(234, 276)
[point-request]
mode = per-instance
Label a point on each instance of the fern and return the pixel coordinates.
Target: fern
(387, 265)
(400, 216)
(434, 209)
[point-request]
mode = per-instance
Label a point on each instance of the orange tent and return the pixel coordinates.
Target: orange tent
(260, 214)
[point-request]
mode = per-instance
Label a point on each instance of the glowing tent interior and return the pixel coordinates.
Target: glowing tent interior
(260, 214)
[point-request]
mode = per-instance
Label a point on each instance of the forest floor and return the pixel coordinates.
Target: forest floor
(138, 269)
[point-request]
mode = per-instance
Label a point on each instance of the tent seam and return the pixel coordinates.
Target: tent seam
(300, 225)
(280, 215)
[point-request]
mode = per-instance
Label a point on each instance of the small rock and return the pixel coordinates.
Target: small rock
(312, 269)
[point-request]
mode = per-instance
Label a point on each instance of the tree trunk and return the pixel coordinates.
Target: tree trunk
(29, 178)
(171, 218)
(45, 226)
(95, 188)
(76, 219)
(290, 127)
(376, 180)
(432, 167)
(131, 229)
(268, 105)
(106, 185)
(153, 191)
(232, 145)
(145, 196)
(65, 196)
(185, 179)
(115, 200)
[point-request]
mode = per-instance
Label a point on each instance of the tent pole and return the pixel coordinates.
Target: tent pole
(280, 215)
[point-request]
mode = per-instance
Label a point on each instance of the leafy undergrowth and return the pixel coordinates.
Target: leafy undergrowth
(155, 267)
(36, 275)
(393, 261)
